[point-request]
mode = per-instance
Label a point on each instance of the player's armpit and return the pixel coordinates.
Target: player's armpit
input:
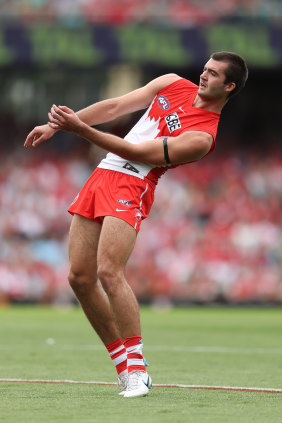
(189, 146)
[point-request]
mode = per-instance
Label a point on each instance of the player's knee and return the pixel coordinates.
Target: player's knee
(109, 278)
(79, 281)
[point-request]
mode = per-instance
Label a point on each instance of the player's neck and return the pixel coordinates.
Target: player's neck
(211, 104)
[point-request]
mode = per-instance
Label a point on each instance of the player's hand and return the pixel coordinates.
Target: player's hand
(38, 135)
(62, 117)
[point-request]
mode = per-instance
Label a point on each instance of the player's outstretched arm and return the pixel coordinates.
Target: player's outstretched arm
(112, 108)
(107, 110)
(39, 134)
(187, 147)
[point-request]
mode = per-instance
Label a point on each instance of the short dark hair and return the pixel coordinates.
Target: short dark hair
(236, 72)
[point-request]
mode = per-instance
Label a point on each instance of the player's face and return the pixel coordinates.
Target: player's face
(212, 80)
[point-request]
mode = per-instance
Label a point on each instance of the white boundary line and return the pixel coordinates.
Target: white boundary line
(156, 385)
(162, 348)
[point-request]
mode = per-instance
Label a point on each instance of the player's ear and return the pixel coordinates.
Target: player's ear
(229, 87)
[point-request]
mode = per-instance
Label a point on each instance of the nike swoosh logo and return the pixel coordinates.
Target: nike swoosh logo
(120, 210)
(147, 382)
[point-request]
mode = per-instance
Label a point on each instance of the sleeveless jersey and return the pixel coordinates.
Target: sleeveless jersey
(170, 114)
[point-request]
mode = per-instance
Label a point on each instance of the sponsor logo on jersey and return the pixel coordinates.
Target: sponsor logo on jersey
(126, 203)
(163, 102)
(173, 122)
(129, 166)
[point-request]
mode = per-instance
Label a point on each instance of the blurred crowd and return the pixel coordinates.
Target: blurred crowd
(214, 234)
(118, 12)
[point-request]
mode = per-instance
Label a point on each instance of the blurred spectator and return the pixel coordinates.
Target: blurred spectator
(118, 12)
(214, 234)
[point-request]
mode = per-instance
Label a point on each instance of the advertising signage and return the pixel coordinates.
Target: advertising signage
(87, 47)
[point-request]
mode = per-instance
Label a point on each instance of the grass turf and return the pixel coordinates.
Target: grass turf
(199, 346)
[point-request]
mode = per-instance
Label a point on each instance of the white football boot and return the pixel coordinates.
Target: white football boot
(122, 381)
(138, 384)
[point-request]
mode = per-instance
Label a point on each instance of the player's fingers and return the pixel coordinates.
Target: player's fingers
(54, 125)
(27, 141)
(52, 109)
(37, 140)
(52, 117)
(29, 138)
(56, 109)
(65, 109)
(55, 117)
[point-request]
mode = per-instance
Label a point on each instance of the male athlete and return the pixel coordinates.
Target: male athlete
(179, 126)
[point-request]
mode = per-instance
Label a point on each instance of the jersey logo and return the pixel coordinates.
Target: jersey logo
(173, 122)
(128, 166)
(163, 102)
(138, 214)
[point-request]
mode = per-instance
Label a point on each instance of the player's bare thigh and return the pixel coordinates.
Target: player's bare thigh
(117, 240)
(83, 244)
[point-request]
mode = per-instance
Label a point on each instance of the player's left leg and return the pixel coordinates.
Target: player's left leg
(117, 240)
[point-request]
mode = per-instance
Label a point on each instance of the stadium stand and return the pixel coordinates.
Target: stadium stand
(118, 12)
(218, 238)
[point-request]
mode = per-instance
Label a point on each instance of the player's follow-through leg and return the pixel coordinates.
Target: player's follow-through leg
(83, 246)
(117, 240)
(112, 309)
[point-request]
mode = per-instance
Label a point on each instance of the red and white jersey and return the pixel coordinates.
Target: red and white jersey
(170, 114)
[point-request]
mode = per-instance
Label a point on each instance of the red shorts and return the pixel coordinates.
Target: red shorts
(110, 193)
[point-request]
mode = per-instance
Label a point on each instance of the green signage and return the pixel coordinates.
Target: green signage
(55, 45)
(90, 46)
(253, 43)
(7, 55)
(143, 45)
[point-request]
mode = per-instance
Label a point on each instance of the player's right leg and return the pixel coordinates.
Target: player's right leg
(83, 243)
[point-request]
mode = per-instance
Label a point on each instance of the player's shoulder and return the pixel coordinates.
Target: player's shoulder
(168, 83)
(163, 81)
(170, 77)
(172, 80)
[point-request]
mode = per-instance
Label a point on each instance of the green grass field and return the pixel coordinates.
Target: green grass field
(193, 346)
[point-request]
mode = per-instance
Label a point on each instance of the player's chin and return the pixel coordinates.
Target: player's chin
(202, 92)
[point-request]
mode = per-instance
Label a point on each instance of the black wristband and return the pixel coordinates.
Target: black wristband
(166, 156)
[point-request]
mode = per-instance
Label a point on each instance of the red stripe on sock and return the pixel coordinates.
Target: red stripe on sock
(114, 345)
(134, 355)
(121, 367)
(138, 368)
(130, 341)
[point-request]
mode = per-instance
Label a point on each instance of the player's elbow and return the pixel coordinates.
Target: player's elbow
(113, 108)
(202, 146)
(191, 148)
